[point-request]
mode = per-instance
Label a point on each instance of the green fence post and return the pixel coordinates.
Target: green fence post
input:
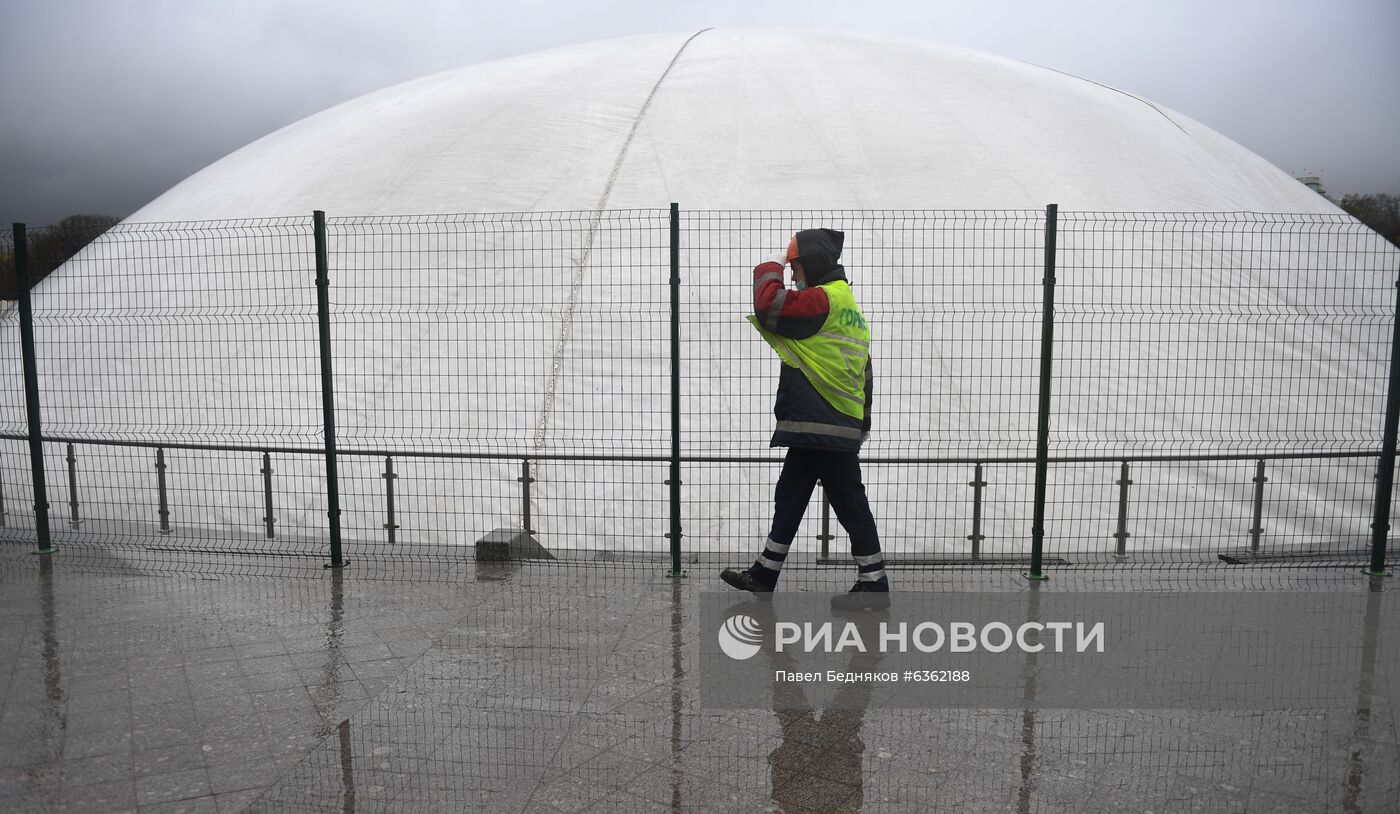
(826, 536)
(976, 537)
(323, 309)
(31, 391)
(1385, 474)
(1042, 436)
(675, 480)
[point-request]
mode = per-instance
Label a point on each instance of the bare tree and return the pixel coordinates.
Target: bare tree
(1380, 212)
(50, 247)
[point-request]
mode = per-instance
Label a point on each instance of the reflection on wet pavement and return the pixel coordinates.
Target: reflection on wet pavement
(563, 687)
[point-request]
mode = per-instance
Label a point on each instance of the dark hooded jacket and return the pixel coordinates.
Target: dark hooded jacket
(800, 314)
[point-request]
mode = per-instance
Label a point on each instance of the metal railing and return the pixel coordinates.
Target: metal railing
(160, 518)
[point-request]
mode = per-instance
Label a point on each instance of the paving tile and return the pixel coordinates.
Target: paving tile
(171, 787)
(204, 673)
(281, 664)
(103, 679)
(168, 759)
(98, 742)
(197, 805)
(251, 651)
(106, 796)
(230, 802)
(81, 703)
(242, 774)
(100, 769)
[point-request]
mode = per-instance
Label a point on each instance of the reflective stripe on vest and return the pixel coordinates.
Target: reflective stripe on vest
(813, 428)
(833, 360)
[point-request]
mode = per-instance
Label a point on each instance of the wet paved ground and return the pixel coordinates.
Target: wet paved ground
(565, 687)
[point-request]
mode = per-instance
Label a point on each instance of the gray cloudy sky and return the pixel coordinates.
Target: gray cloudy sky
(107, 104)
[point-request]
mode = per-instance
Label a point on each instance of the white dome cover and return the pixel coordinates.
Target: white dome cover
(739, 119)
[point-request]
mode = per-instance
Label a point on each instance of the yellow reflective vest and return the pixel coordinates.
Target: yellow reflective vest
(833, 362)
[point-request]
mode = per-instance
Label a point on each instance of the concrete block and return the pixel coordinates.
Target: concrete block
(511, 544)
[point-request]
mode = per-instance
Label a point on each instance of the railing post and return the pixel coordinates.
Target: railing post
(976, 536)
(323, 310)
(1042, 437)
(268, 519)
(1122, 535)
(525, 481)
(1258, 530)
(73, 521)
(1385, 474)
(389, 478)
(162, 492)
(826, 536)
(675, 479)
(31, 392)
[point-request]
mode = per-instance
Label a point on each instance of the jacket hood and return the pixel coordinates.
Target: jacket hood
(820, 253)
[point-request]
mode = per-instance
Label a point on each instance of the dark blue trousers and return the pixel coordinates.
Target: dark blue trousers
(839, 473)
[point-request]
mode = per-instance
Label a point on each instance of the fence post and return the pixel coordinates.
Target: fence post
(323, 309)
(826, 536)
(525, 481)
(389, 478)
(1385, 475)
(268, 519)
(31, 392)
(1042, 436)
(73, 521)
(1124, 481)
(976, 536)
(675, 480)
(162, 491)
(1255, 533)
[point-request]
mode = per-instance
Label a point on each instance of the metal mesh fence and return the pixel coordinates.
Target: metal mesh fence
(14, 452)
(199, 333)
(1209, 335)
(517, 358)
(502, 373)
(494, 333)
(953, 301)
(1178, 334)
(177, 378)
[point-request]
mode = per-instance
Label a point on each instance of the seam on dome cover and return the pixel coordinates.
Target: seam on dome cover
(567, 324)
(1160, 112)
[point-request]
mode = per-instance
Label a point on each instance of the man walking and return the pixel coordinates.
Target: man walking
(822, 407)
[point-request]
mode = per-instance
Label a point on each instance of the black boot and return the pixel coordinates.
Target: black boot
(864, 595)
(745, 581)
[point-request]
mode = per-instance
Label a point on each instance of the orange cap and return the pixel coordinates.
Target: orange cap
(792, 249)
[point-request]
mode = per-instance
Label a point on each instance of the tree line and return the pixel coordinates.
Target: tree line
(1380, 212)
(50, 247)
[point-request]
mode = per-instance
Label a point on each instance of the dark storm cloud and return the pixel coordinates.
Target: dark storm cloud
(106, 105)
